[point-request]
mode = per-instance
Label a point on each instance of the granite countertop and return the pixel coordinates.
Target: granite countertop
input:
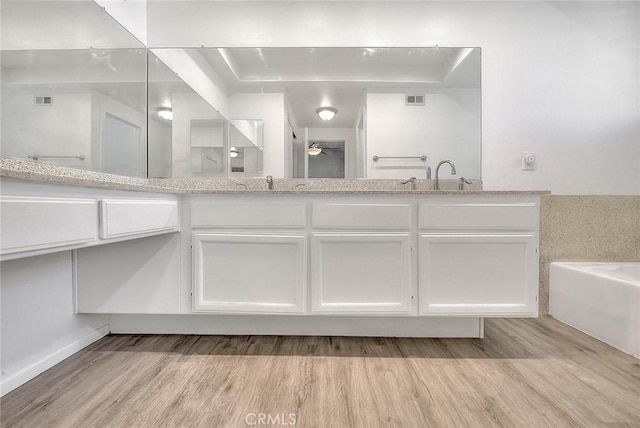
(48, 173)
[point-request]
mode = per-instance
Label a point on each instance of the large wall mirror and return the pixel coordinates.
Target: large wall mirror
(73, 88)
(341, 112)
(79, 91)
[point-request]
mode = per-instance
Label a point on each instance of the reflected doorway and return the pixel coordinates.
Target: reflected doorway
(326, 159)
(122, 152)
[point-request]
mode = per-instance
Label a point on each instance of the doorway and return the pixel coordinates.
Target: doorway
(121, 148)
(329, 161)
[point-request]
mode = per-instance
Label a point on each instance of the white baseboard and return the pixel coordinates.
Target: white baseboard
(284, 325)
(28, 373)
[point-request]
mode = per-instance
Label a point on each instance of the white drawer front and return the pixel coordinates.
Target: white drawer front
(478, 216)
(258, 215)
(361, 216)
(121, 217)
(38, 223)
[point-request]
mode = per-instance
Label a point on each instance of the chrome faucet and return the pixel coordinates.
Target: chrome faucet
(270, 182)
(412, 180)
(436, 185)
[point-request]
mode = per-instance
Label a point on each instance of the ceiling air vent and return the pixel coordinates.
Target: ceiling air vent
(415, 100)
(43, 101)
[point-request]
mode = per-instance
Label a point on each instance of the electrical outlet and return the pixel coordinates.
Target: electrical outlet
(528, 161)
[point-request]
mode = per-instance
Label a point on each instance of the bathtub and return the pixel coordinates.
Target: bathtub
(600, 299)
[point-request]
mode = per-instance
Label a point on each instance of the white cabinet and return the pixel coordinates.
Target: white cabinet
(367, 273)
(361, 216)
(248, 215)
(52, 219)
(477, 256)
(126, 217)
(249, 273)
(480, 275)
(37, 223)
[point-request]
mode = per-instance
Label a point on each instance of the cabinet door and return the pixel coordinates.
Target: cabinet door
(361, 273)
(479, 275)
(252, 273)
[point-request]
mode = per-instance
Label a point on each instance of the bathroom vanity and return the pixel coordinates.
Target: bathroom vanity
(167, 256)
(342, 254)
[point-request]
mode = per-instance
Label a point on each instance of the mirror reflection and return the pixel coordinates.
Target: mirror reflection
(371, 112)
(83, 108)
(245, 151)
(73, 88)
(187, 137)
(244, 112)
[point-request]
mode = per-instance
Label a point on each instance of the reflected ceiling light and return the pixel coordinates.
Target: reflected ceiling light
(233, 152)
(314, 149)
(326, 113)
(165, 113)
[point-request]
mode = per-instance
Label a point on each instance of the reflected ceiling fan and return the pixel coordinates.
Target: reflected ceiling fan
(315, 149)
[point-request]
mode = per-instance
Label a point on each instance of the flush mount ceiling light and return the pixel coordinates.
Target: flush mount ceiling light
(314, 149)
(165, 113)
(233, 152)
(326, 113)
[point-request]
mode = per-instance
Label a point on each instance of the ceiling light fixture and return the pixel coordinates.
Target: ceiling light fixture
(314, 149)
(326, 113)
(165, 113)
(233, 152)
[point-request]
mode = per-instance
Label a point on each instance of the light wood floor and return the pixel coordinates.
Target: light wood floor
(529, 373)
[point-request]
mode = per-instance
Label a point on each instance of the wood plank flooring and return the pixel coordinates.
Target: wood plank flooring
(525, 373)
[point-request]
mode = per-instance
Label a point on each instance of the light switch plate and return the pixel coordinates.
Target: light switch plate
(528, 161)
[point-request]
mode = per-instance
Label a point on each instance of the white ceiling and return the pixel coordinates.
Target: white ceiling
(339, 77)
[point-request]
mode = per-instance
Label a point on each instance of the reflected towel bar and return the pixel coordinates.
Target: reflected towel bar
(36, 157)
(423, 158)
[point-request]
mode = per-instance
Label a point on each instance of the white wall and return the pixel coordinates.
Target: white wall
(446, 127)
(559, 78)
(62, 25)
(131, 13)
(38, 327)
(270, 108)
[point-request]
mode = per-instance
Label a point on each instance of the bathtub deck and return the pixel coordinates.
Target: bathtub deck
(526, 372)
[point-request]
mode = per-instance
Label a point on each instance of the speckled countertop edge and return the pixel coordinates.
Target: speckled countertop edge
(48, 173)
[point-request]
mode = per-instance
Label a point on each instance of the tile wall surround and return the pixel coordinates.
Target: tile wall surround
(586, 229)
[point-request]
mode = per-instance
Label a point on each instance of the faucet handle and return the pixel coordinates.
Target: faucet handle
(412, 180)
(461, 182)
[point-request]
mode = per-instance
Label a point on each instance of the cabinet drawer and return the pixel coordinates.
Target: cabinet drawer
(248, 215)
(361, 216)
(31, 223)
(121, 217)
(478, 216)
